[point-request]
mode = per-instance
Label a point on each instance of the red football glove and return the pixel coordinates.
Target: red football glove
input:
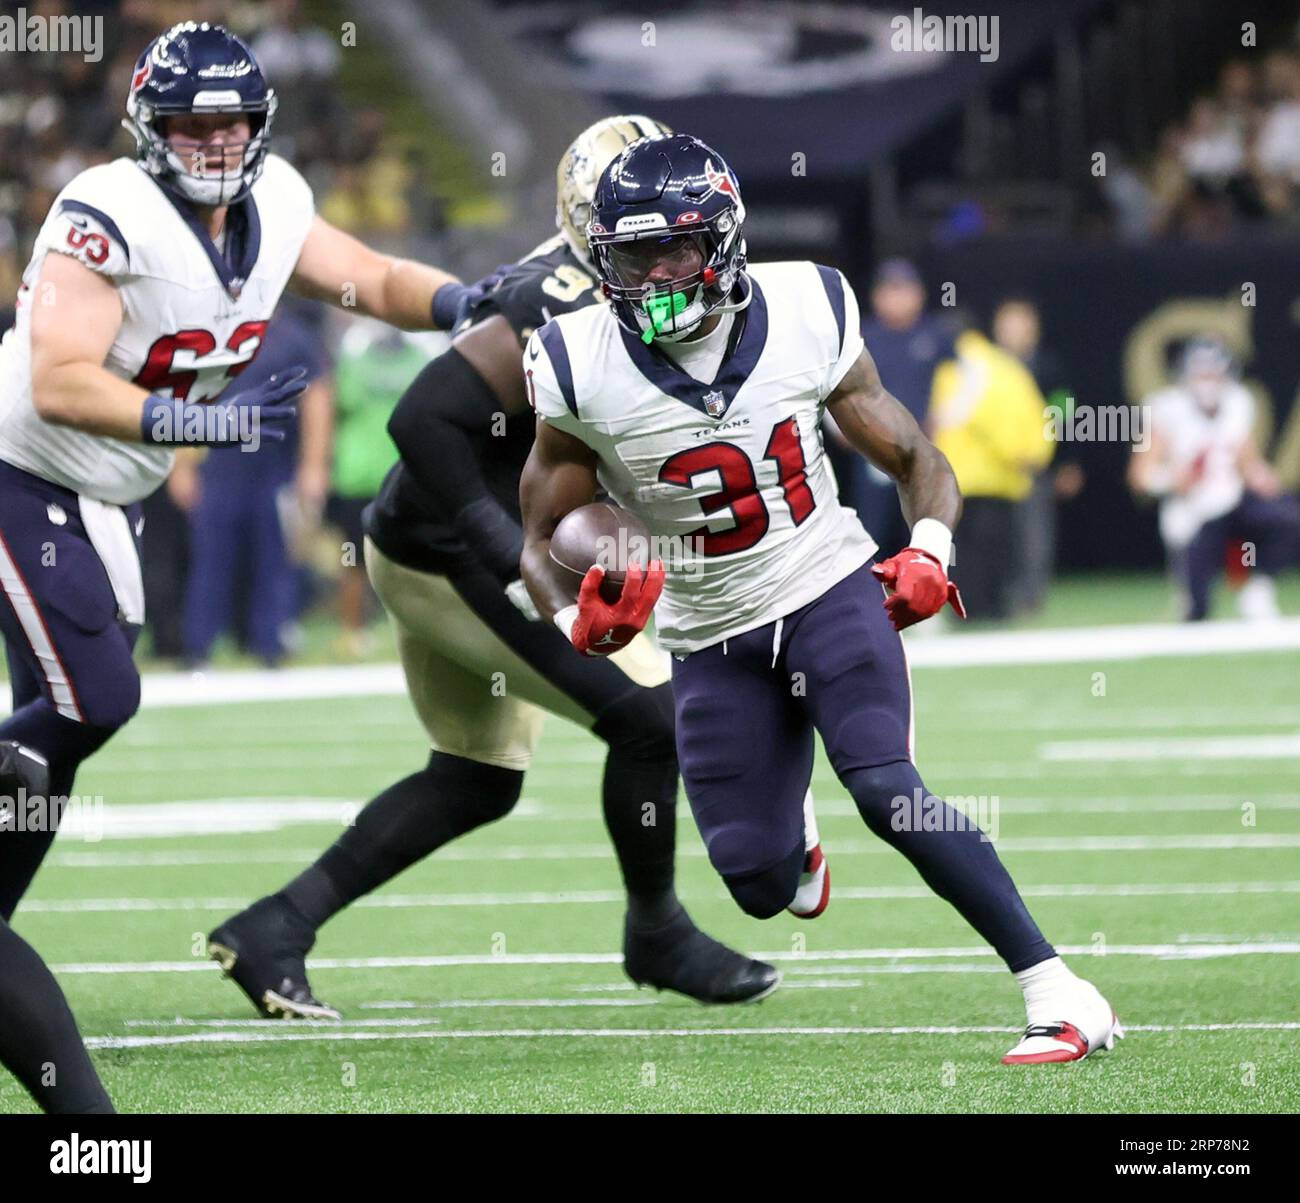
(601, 628)
(918, 587)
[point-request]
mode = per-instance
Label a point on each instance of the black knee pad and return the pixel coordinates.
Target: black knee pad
(768, 893)
(489, 790)
(641, 724)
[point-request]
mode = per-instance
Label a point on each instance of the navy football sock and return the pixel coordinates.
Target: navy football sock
(957, 862)
(39, 1041)
(410, 819)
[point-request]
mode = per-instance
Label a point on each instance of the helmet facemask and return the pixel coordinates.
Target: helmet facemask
(673, 309)
(188, 173)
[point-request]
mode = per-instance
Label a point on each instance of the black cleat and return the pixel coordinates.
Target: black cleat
(264, 949)
(678, 956)
(21, 768)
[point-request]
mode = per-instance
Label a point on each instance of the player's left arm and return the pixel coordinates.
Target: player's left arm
(877, 425)
(1257, 473)
(335, 267)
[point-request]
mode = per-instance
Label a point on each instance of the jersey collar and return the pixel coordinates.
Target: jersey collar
(741, 358)
(243, 240)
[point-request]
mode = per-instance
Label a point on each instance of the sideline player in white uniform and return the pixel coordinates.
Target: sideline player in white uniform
(695, 399)
(149, 290)
(1205, 467)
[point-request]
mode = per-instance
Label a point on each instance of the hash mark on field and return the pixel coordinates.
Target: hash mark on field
(334, 1034)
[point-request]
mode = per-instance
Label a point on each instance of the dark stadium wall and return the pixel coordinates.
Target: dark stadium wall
(1116, 315)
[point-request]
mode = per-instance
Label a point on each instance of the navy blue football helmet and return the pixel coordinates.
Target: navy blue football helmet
(660, 200)
(199, 68)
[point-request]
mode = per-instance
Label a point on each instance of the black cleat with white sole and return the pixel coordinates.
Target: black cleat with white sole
(264, 950)
(680, 957)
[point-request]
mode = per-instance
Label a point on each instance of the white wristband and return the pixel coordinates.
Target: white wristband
(930, 535)
(564, 619)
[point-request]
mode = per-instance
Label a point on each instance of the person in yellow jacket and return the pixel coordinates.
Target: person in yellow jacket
(988, 416)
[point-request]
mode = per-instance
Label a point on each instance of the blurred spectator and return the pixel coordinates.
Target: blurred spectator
(302, 61)
(376, 364)
(907, 344)
(1017, 329)
(1277, 150)
(986, 416)
(1214, 487)
(243, 507)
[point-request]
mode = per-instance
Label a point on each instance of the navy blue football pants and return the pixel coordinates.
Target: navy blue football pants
(71, 670)
(747, 710)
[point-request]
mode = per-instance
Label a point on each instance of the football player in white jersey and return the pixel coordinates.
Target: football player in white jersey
(694, 399)
(1204, 466)
(148, 292)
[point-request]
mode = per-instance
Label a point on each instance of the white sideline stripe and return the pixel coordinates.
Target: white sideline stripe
(33, 625)
(334, 1034)
(63, 906)
(448, 960)
(999, 647)
(1025, 844)
(1198, 747)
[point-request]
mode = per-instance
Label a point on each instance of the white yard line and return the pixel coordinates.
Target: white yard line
(1197, 747)
(337, 1033)
(430, 961)
(617, 897)
(1018, 844)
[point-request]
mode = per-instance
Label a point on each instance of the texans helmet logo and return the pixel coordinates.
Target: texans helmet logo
(143, 73)
(720, 181)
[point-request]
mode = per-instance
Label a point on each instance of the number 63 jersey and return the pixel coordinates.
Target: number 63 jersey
(193, 316)
(731, 476)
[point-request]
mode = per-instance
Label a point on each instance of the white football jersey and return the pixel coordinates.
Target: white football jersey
(731, 477)
(1207, 443)
(192, 316)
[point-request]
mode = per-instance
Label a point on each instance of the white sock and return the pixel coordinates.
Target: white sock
(811, 836)
(1044, 985)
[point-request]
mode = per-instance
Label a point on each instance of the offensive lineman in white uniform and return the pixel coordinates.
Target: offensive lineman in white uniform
(149, 289)
(694, 398)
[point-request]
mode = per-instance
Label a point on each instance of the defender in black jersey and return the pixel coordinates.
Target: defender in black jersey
(442, 550)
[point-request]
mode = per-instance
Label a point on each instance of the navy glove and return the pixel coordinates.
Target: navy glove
(452, 302)
(242, 419)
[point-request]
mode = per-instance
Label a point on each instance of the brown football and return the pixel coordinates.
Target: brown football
(600, 533)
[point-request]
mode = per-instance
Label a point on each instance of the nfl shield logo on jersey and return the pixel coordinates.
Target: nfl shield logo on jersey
(714, 404)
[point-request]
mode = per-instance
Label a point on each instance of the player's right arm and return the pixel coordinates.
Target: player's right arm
(76, 314)
(560, 476)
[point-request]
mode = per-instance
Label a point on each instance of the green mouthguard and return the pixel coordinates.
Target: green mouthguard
(660, 311)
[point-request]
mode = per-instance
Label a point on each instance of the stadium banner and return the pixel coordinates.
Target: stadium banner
(822, 90)
(1117, 315)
